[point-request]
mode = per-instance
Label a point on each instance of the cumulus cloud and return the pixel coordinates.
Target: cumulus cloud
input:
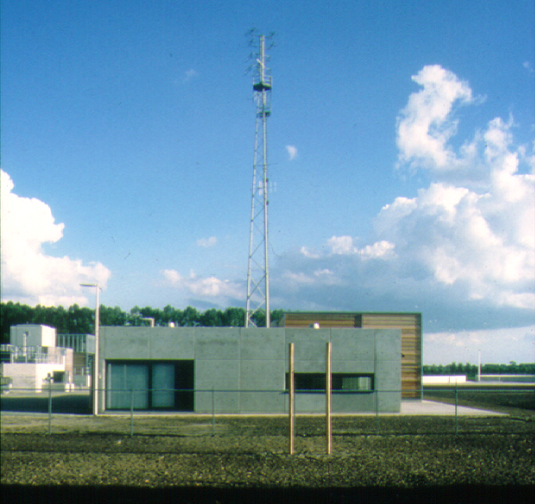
(463, 245)
(495, 345)
(482, 241)
(189, 75)
(425, 124)
(343, 245)
(207, 287)
(207, 242)
(29, 275)
(292, 151)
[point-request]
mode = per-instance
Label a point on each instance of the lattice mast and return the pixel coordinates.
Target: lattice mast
(258, 264)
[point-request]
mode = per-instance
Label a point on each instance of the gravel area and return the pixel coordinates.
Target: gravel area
(78, 458)
(412, 454)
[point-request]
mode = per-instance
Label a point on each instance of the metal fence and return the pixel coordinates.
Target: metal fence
(442, 410)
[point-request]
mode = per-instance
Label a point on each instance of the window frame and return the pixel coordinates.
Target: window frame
(180, 365)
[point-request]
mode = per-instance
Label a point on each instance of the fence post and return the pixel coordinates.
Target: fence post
(213, 410)
(328, 405)
(456, 405)
(291, 397)
(131, 412)
(376, 394)
(49, 406)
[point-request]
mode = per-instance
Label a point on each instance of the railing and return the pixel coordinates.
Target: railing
(32, 354)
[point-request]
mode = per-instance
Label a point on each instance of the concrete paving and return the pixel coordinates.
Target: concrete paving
(437, 408)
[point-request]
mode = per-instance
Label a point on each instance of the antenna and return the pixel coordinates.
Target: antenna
(258, 264)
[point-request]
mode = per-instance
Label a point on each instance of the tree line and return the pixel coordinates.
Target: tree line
(78, 320)
(470, 370)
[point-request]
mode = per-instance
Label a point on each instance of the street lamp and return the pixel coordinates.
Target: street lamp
(96, 357)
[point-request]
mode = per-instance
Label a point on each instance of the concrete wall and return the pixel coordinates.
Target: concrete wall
(443, 379)
(37, 335)
(246, 367)
(29, 376)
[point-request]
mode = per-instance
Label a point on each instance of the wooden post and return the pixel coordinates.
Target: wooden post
(328, 387)
(291, 391)
(132, 412)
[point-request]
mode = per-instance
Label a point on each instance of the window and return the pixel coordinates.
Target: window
(166, 385)
(348, 382)
(341, 382)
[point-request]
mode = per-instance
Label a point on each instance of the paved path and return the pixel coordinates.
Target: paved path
(437, 408)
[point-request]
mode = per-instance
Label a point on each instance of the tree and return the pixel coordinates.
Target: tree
(112, 316)
(234, 317)
(190, 317)
(211, 318)
(276, 316)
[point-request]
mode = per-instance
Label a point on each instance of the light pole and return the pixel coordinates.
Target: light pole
(96, 357)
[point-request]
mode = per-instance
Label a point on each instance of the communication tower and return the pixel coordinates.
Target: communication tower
(258, 264)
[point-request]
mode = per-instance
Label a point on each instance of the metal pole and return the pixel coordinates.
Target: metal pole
(291, 390)
(97, 331)
(328, 387)
(265, 181)
(95, 378)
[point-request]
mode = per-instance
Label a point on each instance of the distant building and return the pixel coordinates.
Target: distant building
(83, 346)
(32, 358)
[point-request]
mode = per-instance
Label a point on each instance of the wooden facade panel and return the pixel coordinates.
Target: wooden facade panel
(305, 320)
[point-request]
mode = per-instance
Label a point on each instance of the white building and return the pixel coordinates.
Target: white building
(33, 358)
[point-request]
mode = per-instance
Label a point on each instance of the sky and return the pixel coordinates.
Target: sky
(401, 151)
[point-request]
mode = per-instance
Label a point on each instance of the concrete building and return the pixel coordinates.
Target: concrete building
(177, 369)
(32, 335)
(32, 358)
(83, 346)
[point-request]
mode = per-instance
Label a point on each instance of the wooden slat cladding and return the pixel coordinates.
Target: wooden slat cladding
(324, 319)
(411, 337)
(411, 346)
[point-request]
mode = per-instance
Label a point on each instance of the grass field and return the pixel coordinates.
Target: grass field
(514, 399)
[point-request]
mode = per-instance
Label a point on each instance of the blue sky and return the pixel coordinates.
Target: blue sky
(401, 153)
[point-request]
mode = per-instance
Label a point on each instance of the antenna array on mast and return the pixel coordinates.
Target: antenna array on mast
(258, 264)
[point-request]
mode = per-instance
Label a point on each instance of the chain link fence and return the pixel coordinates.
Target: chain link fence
(442, 410)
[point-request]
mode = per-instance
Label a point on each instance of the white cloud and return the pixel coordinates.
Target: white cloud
(478, 237)
(462, 250)
(495, 345)
(343, 245)
(207, 242)
(292, 151)
(425, 124)
(208, 287)
(29, 275)
(189, 75)
(308, 253)
(527, 66)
